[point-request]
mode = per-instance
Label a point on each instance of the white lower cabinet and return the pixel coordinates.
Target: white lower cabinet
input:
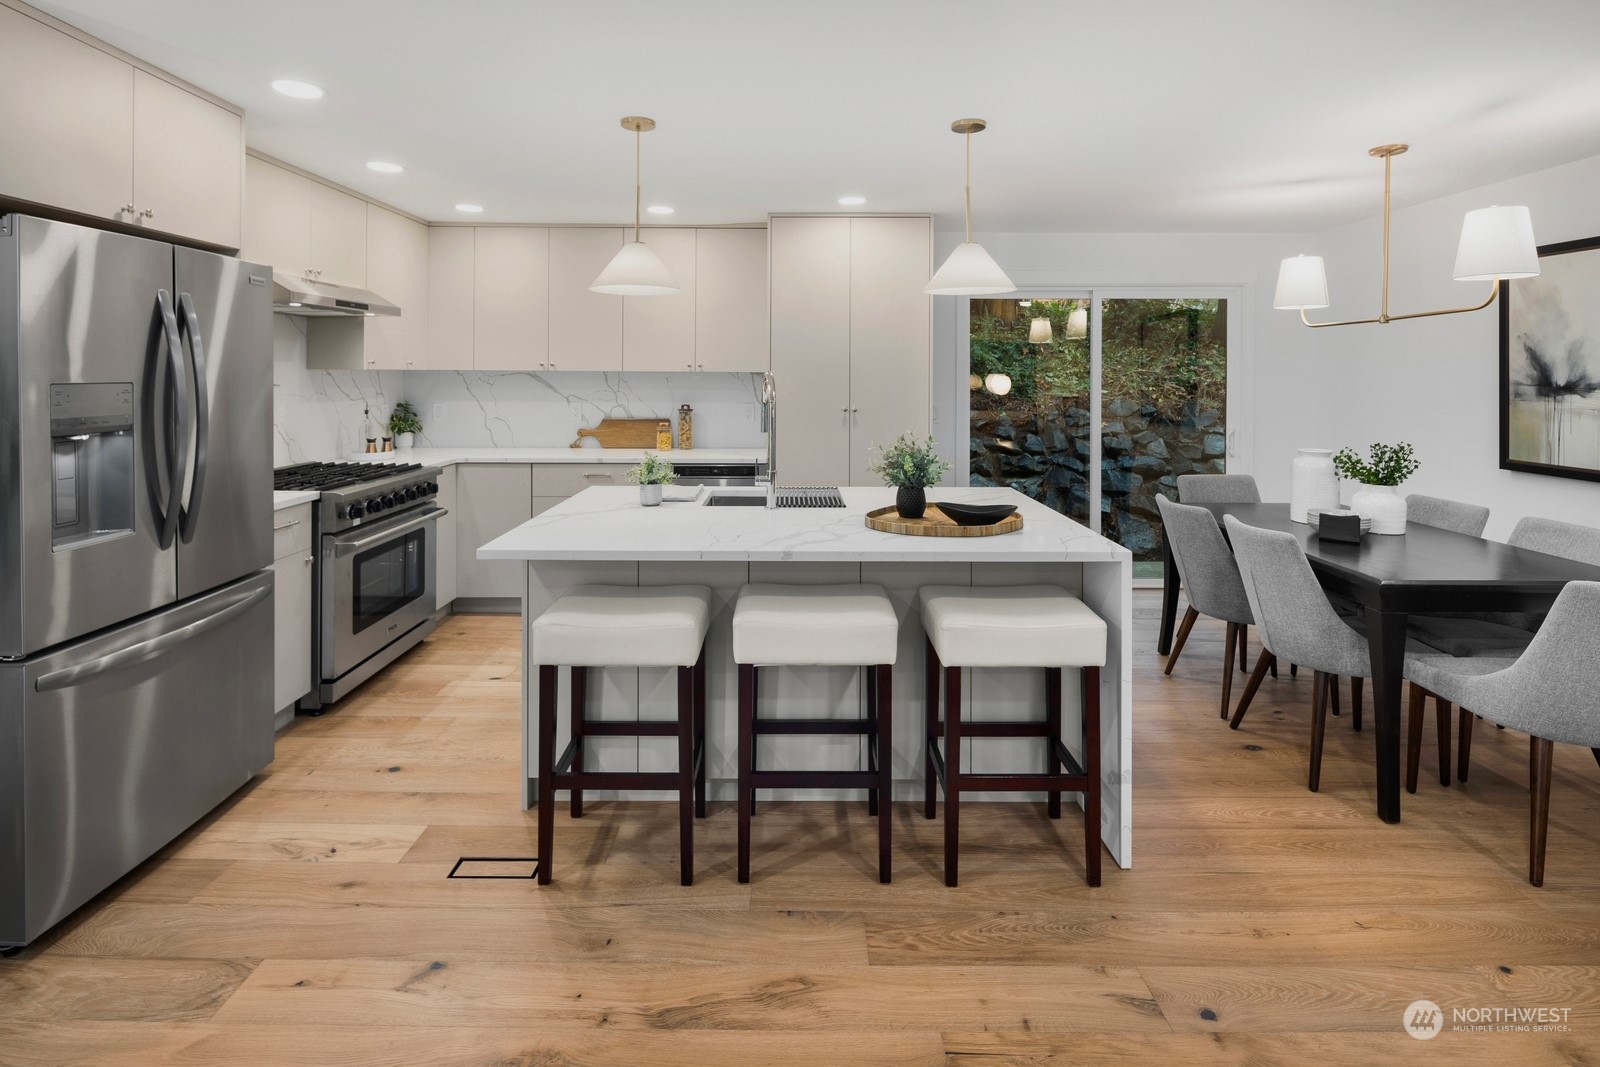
(291, 597)
(444, 570)
(491, 498)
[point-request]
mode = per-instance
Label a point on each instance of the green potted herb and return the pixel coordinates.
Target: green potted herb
(1385, 467)
(650, 475)
(404, 424)
(910, 466)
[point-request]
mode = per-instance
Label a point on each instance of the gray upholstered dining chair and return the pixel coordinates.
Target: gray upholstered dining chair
(1549, 692)
(1297, 623)
(1211, 577)
(1217, 489)
(1452, 515)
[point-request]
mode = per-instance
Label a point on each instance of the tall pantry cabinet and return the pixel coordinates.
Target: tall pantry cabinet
(851, 340)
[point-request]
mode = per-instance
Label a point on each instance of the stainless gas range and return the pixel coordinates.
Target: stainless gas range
(376, 531)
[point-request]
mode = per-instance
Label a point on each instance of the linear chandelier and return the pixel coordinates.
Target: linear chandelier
(1496, 244)
(635, 270)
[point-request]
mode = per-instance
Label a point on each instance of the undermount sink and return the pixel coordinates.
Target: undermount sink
(788, 497)
(735, 500)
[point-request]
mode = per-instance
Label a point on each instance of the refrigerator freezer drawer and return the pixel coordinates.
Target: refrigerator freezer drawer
(113, 746)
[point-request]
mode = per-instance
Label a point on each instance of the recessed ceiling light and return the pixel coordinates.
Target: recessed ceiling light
(471, 209)
(385, 168)
(298, 90)
(659, 209)
(852, 201)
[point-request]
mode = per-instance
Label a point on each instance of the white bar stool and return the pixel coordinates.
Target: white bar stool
(817, 625)
(1020, 626)
(623, 626)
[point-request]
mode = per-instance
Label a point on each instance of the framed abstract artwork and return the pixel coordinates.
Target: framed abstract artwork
(1550, 365)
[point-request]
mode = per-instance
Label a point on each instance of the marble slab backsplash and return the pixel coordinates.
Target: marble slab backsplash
(318, 414)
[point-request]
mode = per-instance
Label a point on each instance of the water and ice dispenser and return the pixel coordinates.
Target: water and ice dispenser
(91, 462)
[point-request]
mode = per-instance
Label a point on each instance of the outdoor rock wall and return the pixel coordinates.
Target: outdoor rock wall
(1046, 456)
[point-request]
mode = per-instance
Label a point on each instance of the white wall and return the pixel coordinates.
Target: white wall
(1435, 382)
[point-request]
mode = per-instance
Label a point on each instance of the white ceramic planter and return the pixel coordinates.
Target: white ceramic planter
(1384, 505)
(1313, 482)
(405, 440)
(649, 495)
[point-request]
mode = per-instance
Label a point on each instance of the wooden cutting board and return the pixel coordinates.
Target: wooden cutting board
(935, 523)
(622, 433)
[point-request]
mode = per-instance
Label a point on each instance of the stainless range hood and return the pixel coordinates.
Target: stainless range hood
(299, 296)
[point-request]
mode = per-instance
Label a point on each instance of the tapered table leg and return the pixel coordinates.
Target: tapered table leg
(1386, 641)
(1169, 598)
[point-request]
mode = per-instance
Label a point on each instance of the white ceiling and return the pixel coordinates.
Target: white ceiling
(1157, 115)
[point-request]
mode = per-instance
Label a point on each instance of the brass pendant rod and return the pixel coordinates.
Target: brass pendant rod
(1383, 313)
(969, 188)
(1494, 291)
(638, 164)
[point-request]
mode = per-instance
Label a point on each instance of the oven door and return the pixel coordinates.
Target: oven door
(377, 584)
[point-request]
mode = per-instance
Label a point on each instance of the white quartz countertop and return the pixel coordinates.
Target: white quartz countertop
(444, 457)
(292, 498)
(608, 523)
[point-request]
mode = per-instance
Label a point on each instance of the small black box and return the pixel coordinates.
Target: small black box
(1334, 526)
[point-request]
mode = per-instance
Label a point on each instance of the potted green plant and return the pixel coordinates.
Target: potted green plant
(650, 475)
(910, 466)
(404, 424)
(1385, 467)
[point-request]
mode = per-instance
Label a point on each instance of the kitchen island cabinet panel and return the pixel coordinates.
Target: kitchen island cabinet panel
(491, 498)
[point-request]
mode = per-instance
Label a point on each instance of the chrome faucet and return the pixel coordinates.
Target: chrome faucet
(769, 423)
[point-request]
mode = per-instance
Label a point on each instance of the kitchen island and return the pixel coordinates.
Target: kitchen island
(603, 535)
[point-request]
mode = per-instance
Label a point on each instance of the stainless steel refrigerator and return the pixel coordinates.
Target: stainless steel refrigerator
(135, 536)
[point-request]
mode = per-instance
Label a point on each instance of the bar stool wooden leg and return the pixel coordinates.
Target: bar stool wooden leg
(747, 739)
(686, 775)
(930, 691)
(882, 741)
(701, 755)
(952, 774)
(547, 763)
(1052, 725)
(580, 678)
(870, 681)
(1091, 764)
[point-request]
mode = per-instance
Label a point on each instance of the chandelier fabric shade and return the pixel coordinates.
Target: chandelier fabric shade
(1496, 242)
(1302, 283)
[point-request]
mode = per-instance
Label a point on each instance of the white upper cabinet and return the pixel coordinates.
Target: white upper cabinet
(730, 332)
(510, 316)
(397, 270)
(658, 332)
(450, 297)
(585, 327)
(89, 132)
(188, 163)
(890, 322)
(302, 227)
(338, 237)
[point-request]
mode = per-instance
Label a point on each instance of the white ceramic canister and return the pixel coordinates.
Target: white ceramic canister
(650, 495)
(1312, 482)
(1384, 505)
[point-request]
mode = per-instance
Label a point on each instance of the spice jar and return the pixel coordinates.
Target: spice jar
(685, 427)
(663, 436)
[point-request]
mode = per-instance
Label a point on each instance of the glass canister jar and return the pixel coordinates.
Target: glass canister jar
(663, 436)
(685, 426)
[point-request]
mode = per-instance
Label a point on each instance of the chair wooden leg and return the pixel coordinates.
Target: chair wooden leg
(580, 685)
(883, 741)
(1321, 685)
(1229, 642)
(1244, 645)
(686, 775)
(1183, 635)
(1274, 667)
(1294, 670)
(1091, 765)
(1441, 726)
(930, 735)
(1596, 753)
(1539, 766)
(1355, 702)
(547, 761)
(1263, 662)
(1052, 725)
(1464, 720)
(1333, 695)
(952, 775)
(1417, 698)
(870, 681)
(747, 741)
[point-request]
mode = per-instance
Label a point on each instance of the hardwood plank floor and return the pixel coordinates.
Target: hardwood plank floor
(309, 921)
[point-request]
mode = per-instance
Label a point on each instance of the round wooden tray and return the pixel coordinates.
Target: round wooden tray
(935, 523)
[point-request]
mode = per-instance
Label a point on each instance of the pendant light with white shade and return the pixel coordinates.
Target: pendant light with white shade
(969, 270)
(635, 270)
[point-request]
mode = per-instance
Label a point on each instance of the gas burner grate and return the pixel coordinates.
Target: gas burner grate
(324, 476)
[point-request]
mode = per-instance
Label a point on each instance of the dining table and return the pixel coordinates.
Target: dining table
(1426, 570)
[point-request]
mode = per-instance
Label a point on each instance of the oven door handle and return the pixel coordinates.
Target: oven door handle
(343, 548)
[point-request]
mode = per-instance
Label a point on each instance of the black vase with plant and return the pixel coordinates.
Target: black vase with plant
(911, 466)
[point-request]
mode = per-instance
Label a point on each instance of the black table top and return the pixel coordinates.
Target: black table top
(1426, 568)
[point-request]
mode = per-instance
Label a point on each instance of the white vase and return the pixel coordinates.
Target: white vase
(650, 495)
(405, 440)
(1312, 482)
(1384, 505)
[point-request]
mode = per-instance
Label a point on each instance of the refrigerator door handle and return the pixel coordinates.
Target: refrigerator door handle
(202, 408)
(178, 418)
(146, 650)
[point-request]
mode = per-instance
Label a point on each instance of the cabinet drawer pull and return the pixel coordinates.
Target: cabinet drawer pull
(285, 526)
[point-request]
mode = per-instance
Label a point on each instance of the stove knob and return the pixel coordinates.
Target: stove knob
(431, 487)
(393, 500)
(356, 510)
(411, 492)
(374, 506)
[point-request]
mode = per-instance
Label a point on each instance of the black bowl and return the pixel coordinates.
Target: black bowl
(976, 514)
